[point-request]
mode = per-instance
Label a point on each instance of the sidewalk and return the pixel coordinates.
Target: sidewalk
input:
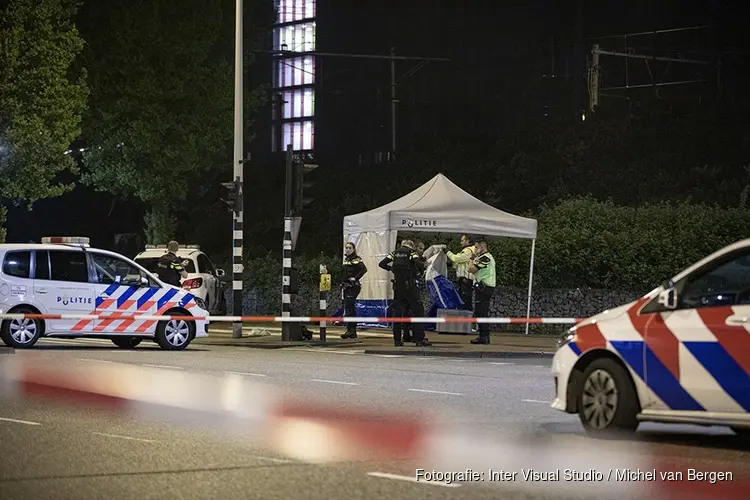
(380, 341)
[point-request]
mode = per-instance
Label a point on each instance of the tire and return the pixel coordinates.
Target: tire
(126, 342)
(607, 399)
(21, 333)
(175, 334)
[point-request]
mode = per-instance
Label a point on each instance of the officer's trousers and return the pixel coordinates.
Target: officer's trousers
(466, 292)
(407, 300)
(350, 294)
(482, 308)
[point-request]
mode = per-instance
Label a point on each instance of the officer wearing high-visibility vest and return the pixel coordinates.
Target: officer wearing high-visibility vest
(483, 268)
(353, 270)
(461, 260)
(406, 266)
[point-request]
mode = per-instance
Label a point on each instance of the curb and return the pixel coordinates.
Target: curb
(7, 350)
(465, 354)
(285, 345)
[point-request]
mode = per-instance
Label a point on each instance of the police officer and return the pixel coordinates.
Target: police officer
(170, 267)
(465, 278)
(354, 269)
(406, 266)
(483, 268)
(408, 328)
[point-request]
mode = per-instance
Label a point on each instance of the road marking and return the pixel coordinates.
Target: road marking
(332, 382)
(398, 477)
(437, 392)
(536, 401)
(165, 366)
(245, 373)
(99, 361)
(25, 422)
(123, 437)
(389, 355)
(497, 363)
(270, 459)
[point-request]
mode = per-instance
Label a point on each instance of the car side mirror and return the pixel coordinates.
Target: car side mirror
(668, 298)
(219, 273)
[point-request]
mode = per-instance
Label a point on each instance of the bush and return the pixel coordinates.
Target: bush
(582, 243)
(3, 211)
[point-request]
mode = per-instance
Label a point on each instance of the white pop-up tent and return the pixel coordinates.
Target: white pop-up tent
(438, 206)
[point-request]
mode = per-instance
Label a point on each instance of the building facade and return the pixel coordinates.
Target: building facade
(293, 120)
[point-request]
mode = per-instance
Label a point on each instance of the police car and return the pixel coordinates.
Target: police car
(63, 276)
(680, 354)
(203, 278)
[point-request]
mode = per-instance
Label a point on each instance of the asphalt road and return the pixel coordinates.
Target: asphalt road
(61, 452)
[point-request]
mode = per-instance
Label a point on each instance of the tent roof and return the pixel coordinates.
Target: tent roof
(441, 206)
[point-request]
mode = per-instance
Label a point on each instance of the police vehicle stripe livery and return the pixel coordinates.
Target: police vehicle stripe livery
(692, 361)
(120, 300)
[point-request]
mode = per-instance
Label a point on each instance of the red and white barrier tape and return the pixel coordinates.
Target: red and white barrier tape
(294, 319)
(317, 434)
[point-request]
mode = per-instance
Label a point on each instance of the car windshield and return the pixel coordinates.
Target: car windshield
(150, 264)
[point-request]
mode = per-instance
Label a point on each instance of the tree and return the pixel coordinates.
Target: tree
(41, 104)
(162, 102)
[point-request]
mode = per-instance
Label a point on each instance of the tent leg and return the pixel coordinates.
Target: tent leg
(531, 279)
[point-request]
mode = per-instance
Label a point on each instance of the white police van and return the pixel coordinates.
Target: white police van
(64, 276)
(680, 354)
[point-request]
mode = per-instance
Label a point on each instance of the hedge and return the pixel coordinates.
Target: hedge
(581, 243)
(3, 212)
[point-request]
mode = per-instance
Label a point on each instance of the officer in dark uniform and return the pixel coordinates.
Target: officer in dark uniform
(406, 266)
(354, 269)
(170, 267)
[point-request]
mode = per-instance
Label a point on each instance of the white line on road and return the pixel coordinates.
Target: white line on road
(332, 382)
(498, 363)
(437, 392)
(25, 422)
(123, 437)
(99, 361)
(247, 374)
(165, 366)
(536, 401)
(270, 459)
(388, 355)
(386, 475)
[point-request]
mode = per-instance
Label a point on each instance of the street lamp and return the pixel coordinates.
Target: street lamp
(238, 267)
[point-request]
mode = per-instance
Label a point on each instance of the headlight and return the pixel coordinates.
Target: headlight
(201, 303)
(566, 337)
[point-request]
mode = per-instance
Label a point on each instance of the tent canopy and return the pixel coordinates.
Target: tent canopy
(441, 206)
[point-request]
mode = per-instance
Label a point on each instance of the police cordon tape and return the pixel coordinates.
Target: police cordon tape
(317, 433)
(291, 319)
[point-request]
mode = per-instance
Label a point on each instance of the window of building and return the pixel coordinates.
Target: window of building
(301, 135)
(17, 264)
(295, 71)
(299, 103)
(295, 10)
(296, 38)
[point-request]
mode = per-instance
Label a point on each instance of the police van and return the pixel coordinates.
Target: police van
(680, 354)
(65, 276)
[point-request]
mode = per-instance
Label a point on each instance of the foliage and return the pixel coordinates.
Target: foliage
(40, 103)
(162, 101)
(3, 212)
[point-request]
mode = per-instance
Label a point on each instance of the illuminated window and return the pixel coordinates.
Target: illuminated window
(295, 10)
(301, 135)
(295, 71)
(299, 103)
(298, 38)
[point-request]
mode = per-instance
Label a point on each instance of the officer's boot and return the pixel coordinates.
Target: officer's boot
(482, 339)
(350, 334)
(397, 338)
(407, 332)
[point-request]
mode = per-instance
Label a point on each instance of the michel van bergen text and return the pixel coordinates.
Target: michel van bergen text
(533, 475)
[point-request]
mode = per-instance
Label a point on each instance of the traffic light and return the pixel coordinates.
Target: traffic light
(233, 199)
(301, 184)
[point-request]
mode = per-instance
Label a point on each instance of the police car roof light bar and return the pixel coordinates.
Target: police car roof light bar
(67, 240)
(159, 247)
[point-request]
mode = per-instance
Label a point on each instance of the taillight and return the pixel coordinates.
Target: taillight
(192, 283)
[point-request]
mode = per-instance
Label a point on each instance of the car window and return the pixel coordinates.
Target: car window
(17, 264)
(110, 269)
(68, 265)
(41, 265)
(205, 265)
(150, 264)
(726, 283)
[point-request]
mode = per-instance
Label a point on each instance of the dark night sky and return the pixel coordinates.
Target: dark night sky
(502, 52)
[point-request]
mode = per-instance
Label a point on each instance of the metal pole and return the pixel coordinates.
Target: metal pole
(286, 263)
(531, 280)
(323, 310)
(393, 100)
(237, 233)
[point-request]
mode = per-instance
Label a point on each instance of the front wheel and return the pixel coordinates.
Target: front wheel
(21, 333)
(607, 400)
(126, 342)
(175, 334)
